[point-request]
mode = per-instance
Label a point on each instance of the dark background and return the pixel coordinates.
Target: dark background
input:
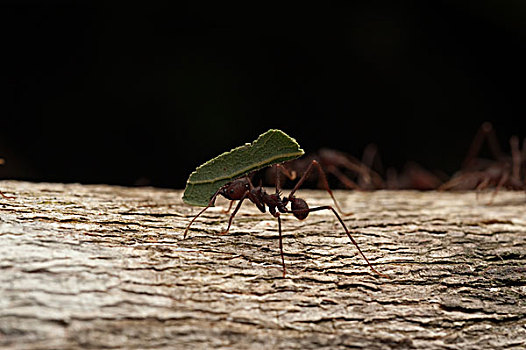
(101, 92)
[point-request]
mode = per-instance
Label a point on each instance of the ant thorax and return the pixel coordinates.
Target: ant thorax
(236, 189)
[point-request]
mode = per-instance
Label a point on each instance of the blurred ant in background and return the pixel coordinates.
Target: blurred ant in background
(350, 172)
(500, 171)
(477, 173)
(354, 174)
(413, 177)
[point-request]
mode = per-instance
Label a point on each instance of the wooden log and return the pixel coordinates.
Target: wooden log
(97, 266)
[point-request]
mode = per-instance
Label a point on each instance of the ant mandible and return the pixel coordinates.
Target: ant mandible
(242, 188)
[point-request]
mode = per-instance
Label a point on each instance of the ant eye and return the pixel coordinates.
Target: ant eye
(231, 190)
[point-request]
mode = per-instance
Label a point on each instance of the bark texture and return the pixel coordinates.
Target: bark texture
(106, 267)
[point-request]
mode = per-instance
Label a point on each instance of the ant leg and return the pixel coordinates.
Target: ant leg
(350, 184)
(461, 181)
(364, 172)
(226, 211)
(211, 203)
(276, 182)
(276, 214)
(483, 184)
(494, 145)
(281, 245)
(323, 180)
(328, 207)
(505, 176)
(290, 174)
(234, 214)
(371, 159)
(195, 217)
(335, 159)
(485, 132)
(6, 196)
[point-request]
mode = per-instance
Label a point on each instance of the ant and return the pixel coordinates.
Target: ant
(502, 171)
(242, 188)
(412, 177)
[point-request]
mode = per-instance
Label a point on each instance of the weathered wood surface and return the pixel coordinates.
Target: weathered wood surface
(106, 267)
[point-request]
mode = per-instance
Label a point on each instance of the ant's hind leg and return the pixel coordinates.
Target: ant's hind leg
(328, 207)
(323, 181)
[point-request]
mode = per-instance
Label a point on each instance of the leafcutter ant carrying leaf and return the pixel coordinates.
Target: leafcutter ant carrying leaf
(227, 175)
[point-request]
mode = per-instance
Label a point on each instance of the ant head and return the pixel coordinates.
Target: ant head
(299, 208)
(236, 189)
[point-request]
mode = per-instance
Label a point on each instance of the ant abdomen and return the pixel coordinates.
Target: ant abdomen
(300, 208)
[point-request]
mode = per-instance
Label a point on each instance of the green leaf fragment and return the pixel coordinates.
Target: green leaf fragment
(271, 147)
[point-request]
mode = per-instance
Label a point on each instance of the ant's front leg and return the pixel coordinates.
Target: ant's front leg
(234, 190)
(253, 195)
(323, 180)
(210, 203)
